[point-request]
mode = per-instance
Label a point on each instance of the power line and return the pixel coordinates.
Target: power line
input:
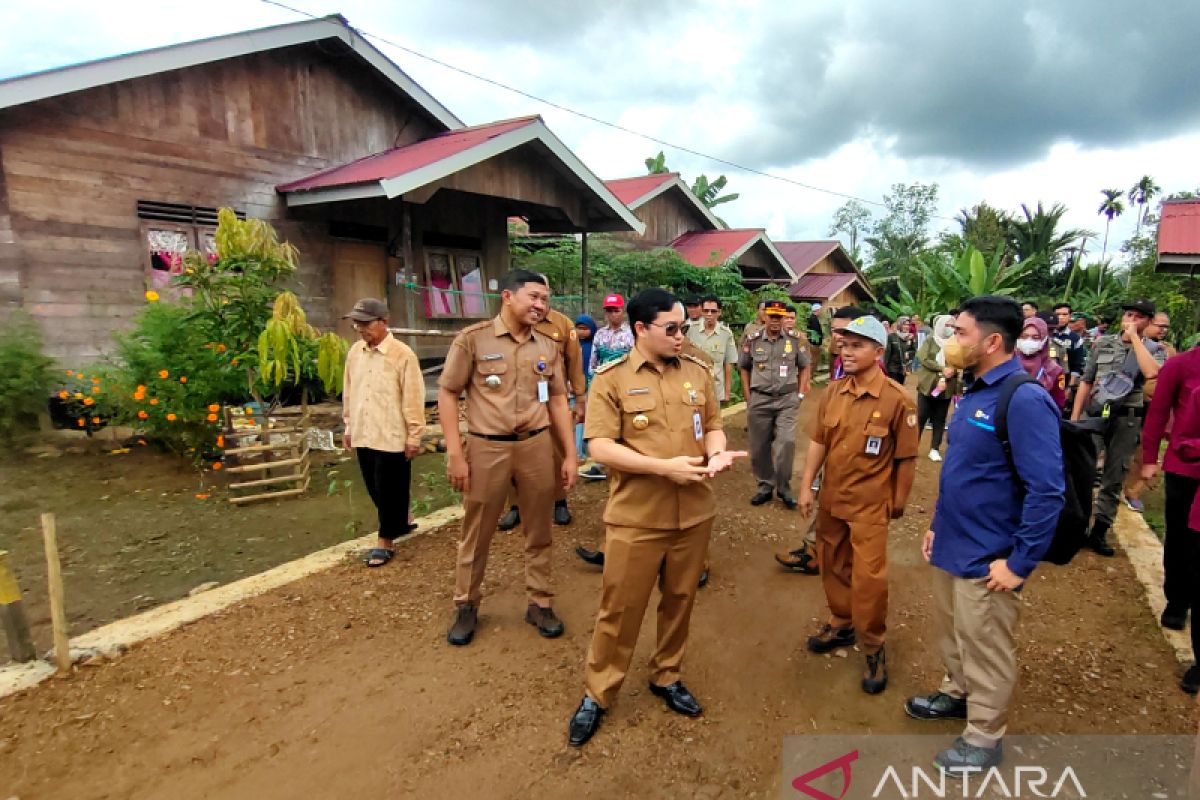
(594, 119)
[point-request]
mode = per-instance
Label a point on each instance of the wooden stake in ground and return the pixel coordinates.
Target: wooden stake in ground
(58, 614)
(12, 614)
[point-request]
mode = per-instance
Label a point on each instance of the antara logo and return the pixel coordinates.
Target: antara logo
(843, 763)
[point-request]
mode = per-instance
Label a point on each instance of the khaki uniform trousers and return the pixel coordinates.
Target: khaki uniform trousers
(560, 491)
(495, 466)
(853, 559)
(772, 425)
(976, 637)
(636, 558)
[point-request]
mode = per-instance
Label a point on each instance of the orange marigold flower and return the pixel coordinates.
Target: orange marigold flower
(216, 465)
(234, 362)
(71, 372)
(95, 390)
(220, 348)
(142, 415)
(152, 295)
(87, 401)
(153, 401)
(63, 395)
(95, 420)
(220, 441)
(211, 418)
(213, 407)
(95, 379)
(139, 396)
(202, 496)
(81, 422)
(171, 417)
(162, 373)
(140, 389)
(250, 410)
(183, 378)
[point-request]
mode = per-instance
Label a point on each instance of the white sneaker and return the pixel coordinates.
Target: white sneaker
(934, 455)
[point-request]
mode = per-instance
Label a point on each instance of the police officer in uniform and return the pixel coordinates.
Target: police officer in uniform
(561, 329)
(513, 379)
(774, 365)
(1114, 359)
(865, 435)
(655, 423)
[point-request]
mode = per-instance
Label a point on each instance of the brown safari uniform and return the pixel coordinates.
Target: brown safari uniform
(508, 441)
(865, 427)
(656, 530)
(773, 403)
(557, 327)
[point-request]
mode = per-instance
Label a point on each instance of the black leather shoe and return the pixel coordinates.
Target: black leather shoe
(801, 560)
(938, 705)
(761, 496)
(593, 557)
(1174, 617)
(788, 501)
(1191, 680)
(1098, 540)
(678, 699)
(703, 579)
(547, 622)
(831, 638)
(510, 520)
(584, 722)
(562, 514)
(463, 629)
(875, 676)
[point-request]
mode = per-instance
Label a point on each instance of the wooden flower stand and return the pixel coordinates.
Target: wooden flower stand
(279, 459)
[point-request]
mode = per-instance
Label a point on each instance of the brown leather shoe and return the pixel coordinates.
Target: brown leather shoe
(801, 560)
(547, 622)
(463, 630)
(875, 674)
(830, 638)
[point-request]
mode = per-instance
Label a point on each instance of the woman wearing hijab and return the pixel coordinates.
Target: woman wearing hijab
(585, 329)
(1033, 348)
(936, 383)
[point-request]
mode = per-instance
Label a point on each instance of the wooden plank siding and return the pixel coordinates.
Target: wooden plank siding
(73, 168)
(667, 217)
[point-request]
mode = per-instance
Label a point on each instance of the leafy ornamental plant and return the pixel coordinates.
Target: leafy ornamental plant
(25, 376)
(941, 284)
(292, 352)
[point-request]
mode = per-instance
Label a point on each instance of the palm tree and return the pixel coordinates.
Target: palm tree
(1109, 208)
(1142, 193)
(1035, 234)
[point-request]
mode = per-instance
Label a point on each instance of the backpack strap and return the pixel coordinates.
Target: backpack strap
(1000, 416)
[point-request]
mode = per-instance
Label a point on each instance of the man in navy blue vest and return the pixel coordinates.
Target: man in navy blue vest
(995, 519)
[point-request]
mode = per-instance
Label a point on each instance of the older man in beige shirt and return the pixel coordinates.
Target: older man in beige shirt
(383, 407)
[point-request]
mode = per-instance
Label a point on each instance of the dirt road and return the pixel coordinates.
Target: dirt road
(342, 685)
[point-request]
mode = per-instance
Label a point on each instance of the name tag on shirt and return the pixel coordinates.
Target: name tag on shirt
(697, 426)
(874, 443)
(543, 391)
(783, 370)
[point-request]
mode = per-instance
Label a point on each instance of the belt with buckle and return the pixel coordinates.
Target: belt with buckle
(784, 393)
(509, 437)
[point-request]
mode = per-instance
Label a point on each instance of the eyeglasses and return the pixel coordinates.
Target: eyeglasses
(710, 311)
(670, 328)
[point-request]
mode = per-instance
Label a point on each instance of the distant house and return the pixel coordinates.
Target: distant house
(110, 169)
(825, 274)
(675, 218)
(1179, 237)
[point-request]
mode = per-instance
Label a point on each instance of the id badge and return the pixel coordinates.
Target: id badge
(697, 426)
(874, 443)
(543, 391)
(783, 370)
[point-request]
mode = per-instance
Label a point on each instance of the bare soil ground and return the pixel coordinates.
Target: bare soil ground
(342, 685)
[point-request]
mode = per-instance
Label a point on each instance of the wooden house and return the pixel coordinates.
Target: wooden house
(675, 218)
(1179, 237)
(109, 169)
(825, 274)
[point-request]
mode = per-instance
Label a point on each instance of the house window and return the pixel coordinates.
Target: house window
(169, 230)
(454, 284)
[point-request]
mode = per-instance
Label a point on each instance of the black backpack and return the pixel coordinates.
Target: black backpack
(1079, 471)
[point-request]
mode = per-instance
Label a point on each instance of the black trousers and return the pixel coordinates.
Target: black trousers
(1181, 550)
(387, 476)
(932, 410)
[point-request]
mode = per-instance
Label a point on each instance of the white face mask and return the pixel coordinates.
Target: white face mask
(1030, 346)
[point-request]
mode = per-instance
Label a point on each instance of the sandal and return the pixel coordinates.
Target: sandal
(378, 557)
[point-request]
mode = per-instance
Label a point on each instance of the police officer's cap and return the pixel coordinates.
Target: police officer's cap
(868, 328)
(776, 308)
(1141, 305)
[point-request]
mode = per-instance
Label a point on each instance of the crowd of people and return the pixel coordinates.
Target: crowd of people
(637, 400)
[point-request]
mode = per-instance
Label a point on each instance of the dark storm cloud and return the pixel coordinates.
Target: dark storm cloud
(990, 83)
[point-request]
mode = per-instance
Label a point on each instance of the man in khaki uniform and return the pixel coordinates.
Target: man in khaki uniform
(562, 330)
(654, 421)
(760, 320)
(515, 392)
(774, 367)
(865, 435)
(1157, 331)
(716, 340)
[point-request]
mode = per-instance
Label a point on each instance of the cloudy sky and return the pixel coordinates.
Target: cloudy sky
(1007, 101)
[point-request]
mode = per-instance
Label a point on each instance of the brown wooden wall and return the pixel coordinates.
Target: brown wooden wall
(667, 217)
(73, 168)
(826, 266)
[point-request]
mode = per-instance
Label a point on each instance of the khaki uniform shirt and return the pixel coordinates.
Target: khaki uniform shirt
(500, 374)
(865, 427)
(1108, 355)
(562, 330)
(751, 329)
(774, 365)
(720, 349)
(383, 396)
(658, 414)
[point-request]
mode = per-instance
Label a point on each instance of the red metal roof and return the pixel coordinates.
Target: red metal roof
(822, 286)
(402, 160)
(711, 248)
(629, 189)
(1179, 228)
(803, 256)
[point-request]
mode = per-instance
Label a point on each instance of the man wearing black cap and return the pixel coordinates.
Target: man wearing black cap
(693, 313)
(1111, 390)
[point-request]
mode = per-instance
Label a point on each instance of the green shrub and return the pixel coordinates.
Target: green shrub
(25, 376)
